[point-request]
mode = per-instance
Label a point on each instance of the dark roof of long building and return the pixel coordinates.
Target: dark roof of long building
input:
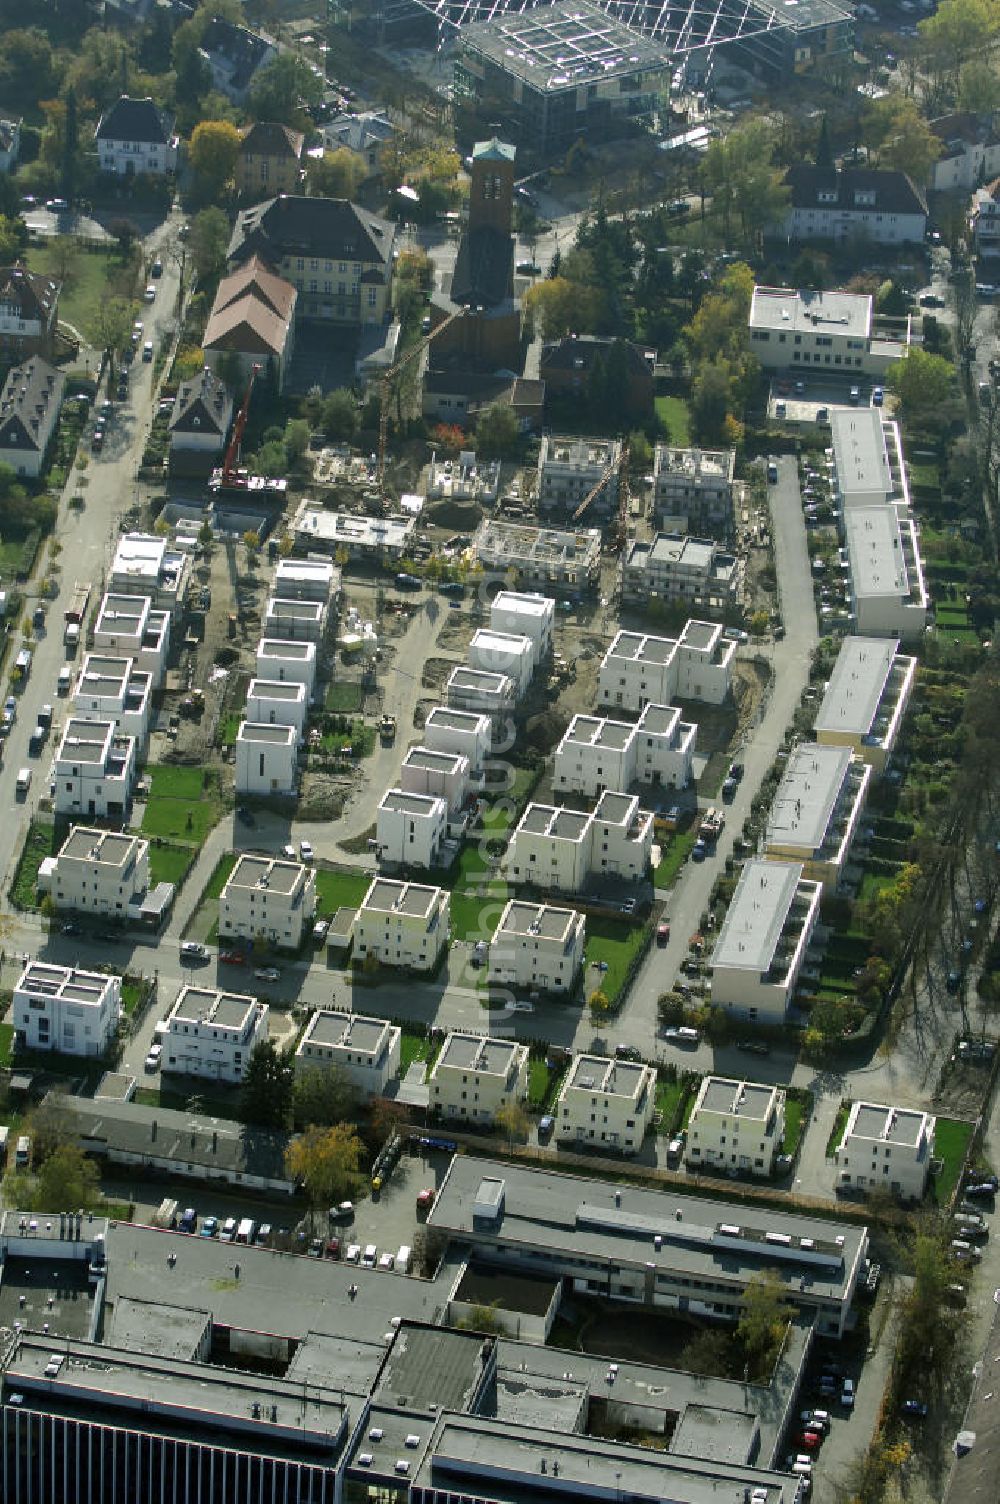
(243, 50)
(292, 225)
(838, 187)
(202, 406)
(268, 138)
(578, 352)
(484, 268)
(28, 396)
(135, 120)
(35, 296)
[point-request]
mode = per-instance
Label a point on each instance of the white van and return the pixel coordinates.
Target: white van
(404, 1258)
(23, 780)
(22, 1154)
(4, 1143)
(246, 1231)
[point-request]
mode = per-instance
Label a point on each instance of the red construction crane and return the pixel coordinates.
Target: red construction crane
(230, 471)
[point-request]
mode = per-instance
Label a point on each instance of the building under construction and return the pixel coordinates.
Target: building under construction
(540, 555)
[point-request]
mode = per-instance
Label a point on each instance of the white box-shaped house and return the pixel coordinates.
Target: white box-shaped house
(294, 620)
(890, 1148)
(503, 653)
(144, 564)
(888, 594)
(402, 924)
(306, 579)
(94, 770)
(266, 758)
(526, 614)
(704, 662)
(270, 898)
(130, 626)
(366, 1049)
(538, 947)
(466, 732)
(278, 702)
(475, 1076)
(763, 940)
(595, 754)
(638, 669)
(816, 809)
(211, 1033)
(866, 699)
(608, 1102)
(425, 771)
(64, 1009)
(551, 849)
(474, 690)
(411, 828)
(622, 837)
(664, 747)
(291, 662)
(113, 689)
(100, 872)
(735, 1125)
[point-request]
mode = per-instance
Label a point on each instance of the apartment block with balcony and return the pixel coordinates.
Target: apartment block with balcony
(537, 947)
(474, 1076)
(144, 564)
(562, 850)
(446, 774)
(65, 1009)
(94, 770)
(640, 669)
(570, 468)
(868, 464)
(888, 593)
(866, 699)
(693, 489)
(367, 1050)
(816, 811)
(527, 614)
(402, 924)
(761, 947)
(411, 828)
(606, 1102)
(887, 1148)
(735, 1126)
(294, 620)
(130, 626)
(465, 732)
(680, 567)
(268, 898)
(551, 558)
(212, 1033)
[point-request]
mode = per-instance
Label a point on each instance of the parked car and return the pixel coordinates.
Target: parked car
(152, 1061)
(847, 1394)
(663, 932)
(753, 1046)
(370, 1255)
(267, 974)
(915, 1408)
(193, 950)
(232, 957)
(209, 1227)
(228, 1233)
(188, 1221)
(305, 851)
(149, 296)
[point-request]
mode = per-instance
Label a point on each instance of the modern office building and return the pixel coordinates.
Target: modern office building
(833, 332)
(65, 1009)
(212, 1033)
(886, 1148)
(402, 924)
(474, 1076)
(537, 947)
(365, 1049)
(267, 898)
(865, 702)
(606, 1102)
(816, 810)
(763, 940)
(735, 1126)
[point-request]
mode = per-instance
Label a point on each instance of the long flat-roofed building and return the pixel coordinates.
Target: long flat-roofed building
(365, 1049)
(382, 538)
(866, 699)
(211, 1033)
(664, 1249)
(537, 946)
(540, 556)
(678, 567)
(474, 1076)
(835, 331)
(606, 1102)
(763, 940)
(888, 593)
(735, 1125)
(868, 464)
(65, 1009)
(886, 1148)
(268, 898)
(402, 924)
(816, 810)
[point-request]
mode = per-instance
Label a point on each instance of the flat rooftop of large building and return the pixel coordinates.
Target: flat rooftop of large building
(874, 545)
(411, 804)
(264, 872)
(563, 46)
(161, 1331)
(347, 1031)
(431, 1367)
(541, 919)
(843, 313)
(889, 1125)
(616, 809)
(493, 641)
(283, 648)
(857, 685)
(806, 796)
(674, 550)
(434, 762)
(547, 819)
(742, 1099)
(713, 465)
(596, 731)
(47, 1295)
(639, 647)
(660, 720)
(859, 450)
(701, 636)
(757, 914)
(577, 452)
(525, 603)
(312, 521)
(70, 983)
(276, 689)
(457, 720)
(287, 608)
(105, 847)
(216, 1009)
(476, 1052)
(539, 545)
(140, 554)
(123, 613)
(386, 895)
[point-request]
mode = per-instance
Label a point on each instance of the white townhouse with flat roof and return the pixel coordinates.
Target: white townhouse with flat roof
(103, 872)
(888, 1148)
(835, 331)
(868, 463)
(278, 702)
(474, 1076)
(527, 614)
(866, 699)
(561, 849)
(735, 1125)
(113, 689)
(597, 753)
(291, 662)
(270, 898)
(680, 567)
(548, 557)
(294, 620)
(477, 690)
(212, 1033)
(693, 488)
(130, 626)
(466, 732)
(267, 758)
(606, 1102)
(94, 770)
(503, 653)
(65, 1009)
(425, 771)
(307, 580)
(411, 828)
(816, 811)
(537, 946)
(640, 669)
(887, 590)
(402, 924)
(763, 940)
(367, 1050)
(144, 564)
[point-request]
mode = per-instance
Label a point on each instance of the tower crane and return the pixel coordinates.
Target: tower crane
(620, 463)
(385, 391)
(230, 472)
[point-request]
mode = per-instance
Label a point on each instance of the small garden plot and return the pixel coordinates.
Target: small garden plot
(183, 803)
(951, 1140)
(339, 890)
(611, 949)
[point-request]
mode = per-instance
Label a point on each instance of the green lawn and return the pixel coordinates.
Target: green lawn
(837, 1131)
(339, 890)
(474, 915)
(6, 1043)
(219, 878)
(615, 942)
(674, 850)
(229, 728)
(794, 1115)
(183, 804)
(39, 843)
(344, 698)
(669, 1095)
(359, 735)
(170, 862)
(675, 416)
(951, 1139)
(871, 884)
(133, 992)
(414, 1047)
(218, 1104)
(84, 292)
(538, 1083)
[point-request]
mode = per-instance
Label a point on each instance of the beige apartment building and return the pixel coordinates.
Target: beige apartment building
(607, 1102)
(474, 1076)
(735, 1125)
(402, 924)
(268, 897)
(537, 946)
(365, 1049)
